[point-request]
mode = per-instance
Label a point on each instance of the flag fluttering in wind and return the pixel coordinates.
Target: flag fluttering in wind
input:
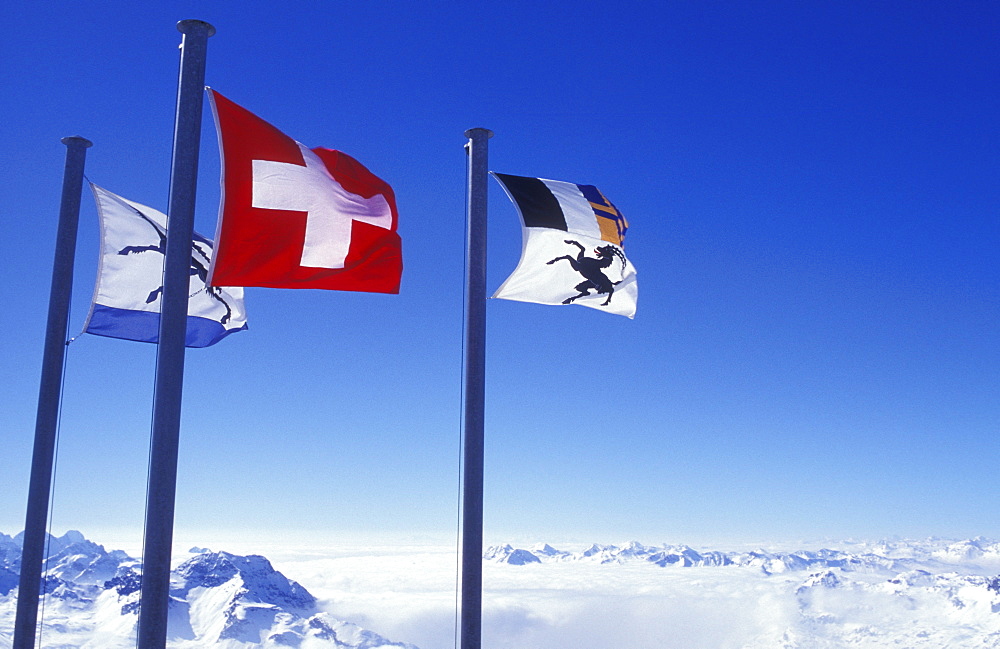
(129, 286)
(292, 217)
(572, 247)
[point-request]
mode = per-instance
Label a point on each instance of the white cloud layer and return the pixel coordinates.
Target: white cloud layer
(410, 596)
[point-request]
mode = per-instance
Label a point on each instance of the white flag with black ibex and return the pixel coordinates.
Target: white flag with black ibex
(130, 279)
(572, 248)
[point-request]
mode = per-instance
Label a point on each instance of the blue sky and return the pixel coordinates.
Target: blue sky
(813, 195)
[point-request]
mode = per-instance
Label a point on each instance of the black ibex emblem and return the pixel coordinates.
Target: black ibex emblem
(199, 266)
(592, 268)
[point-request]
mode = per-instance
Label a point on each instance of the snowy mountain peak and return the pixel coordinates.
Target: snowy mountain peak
(55, 544)
(508, 554)
(72, 558)
(546, 550)
(825, 579)
(253, 577)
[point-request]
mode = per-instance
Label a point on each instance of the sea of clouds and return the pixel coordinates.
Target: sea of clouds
(935, 597)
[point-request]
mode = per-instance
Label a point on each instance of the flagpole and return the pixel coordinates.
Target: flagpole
(158, 539)
(475, 390)
(49, 396)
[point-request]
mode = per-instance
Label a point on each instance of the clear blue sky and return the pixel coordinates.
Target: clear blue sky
(814, 199)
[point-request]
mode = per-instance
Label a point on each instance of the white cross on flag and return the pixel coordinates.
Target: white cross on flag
(292, 217)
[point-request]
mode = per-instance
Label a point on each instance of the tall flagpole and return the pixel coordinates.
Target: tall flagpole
(49, 396)
(475, 390)
(158, 539)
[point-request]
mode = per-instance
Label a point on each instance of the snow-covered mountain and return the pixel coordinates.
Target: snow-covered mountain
(218, 600)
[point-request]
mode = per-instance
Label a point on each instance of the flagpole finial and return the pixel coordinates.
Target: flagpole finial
(475, 131)
(77, 141)
(188, 26)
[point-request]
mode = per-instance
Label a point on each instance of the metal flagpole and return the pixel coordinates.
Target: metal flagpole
(158, 539)
(475, 390)
(49, 396)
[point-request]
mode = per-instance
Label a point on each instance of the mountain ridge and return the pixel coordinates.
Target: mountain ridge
(881, 556)
(217, 600)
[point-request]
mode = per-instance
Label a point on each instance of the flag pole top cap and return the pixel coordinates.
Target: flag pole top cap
(77, 141)
(476, 131)
(188, 26)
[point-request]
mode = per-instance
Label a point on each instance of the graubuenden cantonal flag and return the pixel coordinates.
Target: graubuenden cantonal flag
(572, 247)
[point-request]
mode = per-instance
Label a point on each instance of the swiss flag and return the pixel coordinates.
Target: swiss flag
(292, 217)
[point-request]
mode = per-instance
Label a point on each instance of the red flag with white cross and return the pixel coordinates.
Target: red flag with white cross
(294, 217)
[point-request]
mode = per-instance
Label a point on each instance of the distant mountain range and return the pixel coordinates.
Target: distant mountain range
(882, 556)
(218, 600)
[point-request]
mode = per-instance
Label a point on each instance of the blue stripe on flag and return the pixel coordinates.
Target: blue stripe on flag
(144, 326)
